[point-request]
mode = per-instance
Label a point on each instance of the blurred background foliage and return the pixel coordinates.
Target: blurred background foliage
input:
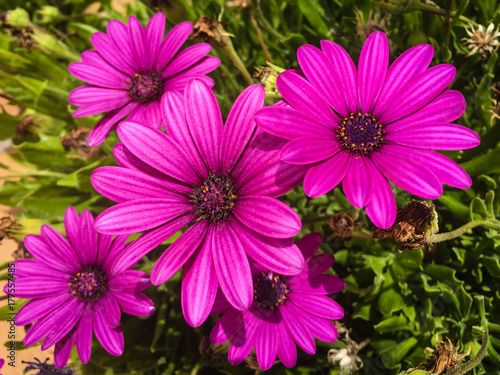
(395, 304)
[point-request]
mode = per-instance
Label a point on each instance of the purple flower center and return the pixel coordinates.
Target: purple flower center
(89, 284)
(360, 133)
(269, 291)
(215, 198)
(146, 87)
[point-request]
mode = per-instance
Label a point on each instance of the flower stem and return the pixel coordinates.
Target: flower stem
(316, 219)
(355, 290)
(259, 36)
(442, 12)
(259, 15)
(457, 232)
(229, 50)
(467, 366)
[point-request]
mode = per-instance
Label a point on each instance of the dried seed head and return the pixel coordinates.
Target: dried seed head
(210, 31)
(374, 23)
(444, 358)
(342, 224)
(482, 40)
(413, 225)
(78, 141)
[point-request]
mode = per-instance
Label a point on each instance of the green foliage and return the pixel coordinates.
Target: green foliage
(398, 301)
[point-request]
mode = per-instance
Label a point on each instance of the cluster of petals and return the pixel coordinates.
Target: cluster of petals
(306, 313)
(407, 101)
(159, 181)
(130, 70)
(62, 266)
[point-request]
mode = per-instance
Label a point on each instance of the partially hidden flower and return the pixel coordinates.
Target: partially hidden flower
(221, 181)
(287, 310)
(132, 68)
(75, 289)
(365, 126)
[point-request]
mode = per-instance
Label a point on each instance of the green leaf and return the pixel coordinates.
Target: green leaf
(393, 324)
(390, 301)
(492, 264)
(393, 358)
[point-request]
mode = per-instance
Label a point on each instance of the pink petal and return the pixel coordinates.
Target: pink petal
(129, 281)
(154, 34)
(232, 267)
(72, 226)
(178, 253)
(310, 150)
(135, 303)
(289, 123)
(221, 305)
(419, 91)
(393, 162)
(102, 75)
(100, 132)
(322, 284)
(84, 336)
(147, 213)
(313, 268)
(278, 255)
(302, 96)
(437, 136)
(88, 238)
(322, 178)
(317, 305)
(110, 338)
(358, 183)
(407, 66)
(62, 350)
(139, 44)
(96, 100)
(321, 328)
(108, 307)
(372, 69)
(107, 49)
(309, 245)
(228, 325)
(39, 249)
(381, 209)
(240, 125)
(267, 216)
(61, 247)
(118, 32)
(266, 344)
(157, 150)
(243, 343)
(173, 41)
(199, 284)
(38, 308)
(186, 58)
(204, 120)
(297, 329)
(345, 72)
(287, 350)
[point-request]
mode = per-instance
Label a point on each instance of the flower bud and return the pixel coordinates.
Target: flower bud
(49, 14)
(18, 18)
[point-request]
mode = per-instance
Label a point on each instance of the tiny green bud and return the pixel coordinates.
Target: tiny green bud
(52, 46)
(18, 17)
(49, 14)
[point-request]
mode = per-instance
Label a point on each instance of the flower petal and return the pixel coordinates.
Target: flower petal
(157, 150)
(289, 123)
(178, 253)
(309, 245)
(139, 44)
(88, 238)
(322, 178)
(437, 136)
(313, 268)
(101, 75)
(154, 34)
(106, 48)
(278, 255)
(62, 350)
(381, 209)
(393, 162)
(96, 100)
(287, 350)
(108, 306)
(228, 325)
(419, 91)
(135, 303)
(40, 307)
(297, 329)
(358, 182)
(204, 120)
(232, 267)
(189, 56)
(240, 125)
(129, 281)
(321, 328)
(110, 338)
(267, 216)
(310, 150)
(345, 72)
(199, 284)
(100, 132)
(317, 305)
(123, 184)
(243, 343)
(147, 213)
(39, 249)
(84, 336)
(118, 32)
(407, 66)
(302, 96)
(266, 344)
(149, 240)
(322, 284)
(171, 44)
(61, 247)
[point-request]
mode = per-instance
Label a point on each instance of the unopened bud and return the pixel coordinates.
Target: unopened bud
(18, 18)
(49, 14)
(49, 45)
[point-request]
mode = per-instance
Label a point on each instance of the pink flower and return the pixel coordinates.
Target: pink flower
(222, 181)
(368, 126)
(286, 311)
(132, 68)
(76, 290)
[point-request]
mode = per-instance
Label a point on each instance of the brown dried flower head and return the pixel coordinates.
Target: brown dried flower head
(343, 224)
(7, 224)
(347, 357)
(444, 358)
(482, 40)
(374, 23)
(494, 110)
(78, 141)
(413, 224)
(210, 31)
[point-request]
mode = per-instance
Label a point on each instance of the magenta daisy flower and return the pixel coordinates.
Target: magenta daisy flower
(220, 180)
(132, 68)
(287, 310)
(76, 289)
(368, 126)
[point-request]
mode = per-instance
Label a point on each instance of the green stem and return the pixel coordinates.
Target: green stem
(259, 15)
(36, 174)
(467, 366)
(351, 288)
(316, 219)
(456, 233)
(229, 50)
(442, 12)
